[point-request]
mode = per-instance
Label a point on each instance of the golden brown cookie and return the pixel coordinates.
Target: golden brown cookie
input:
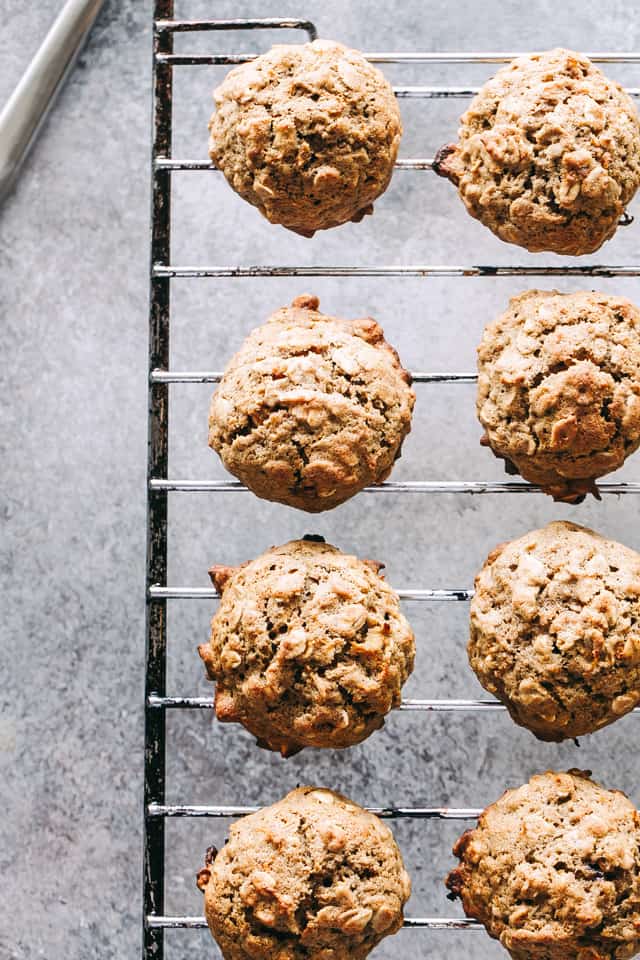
(307, 133)
(313, 877)
(553, 870)
(559, 388)
(312, 408)
(308, 647)
(555, 630)
(548, 154)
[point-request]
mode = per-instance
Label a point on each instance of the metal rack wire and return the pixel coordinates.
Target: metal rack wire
(162, 271)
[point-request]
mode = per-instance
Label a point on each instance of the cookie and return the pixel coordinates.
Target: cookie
(312, 408)
(313, 877)
(559, 388)
(548, 154)
(308, 647)
(555, 630)
(553, 870)
(307, 133)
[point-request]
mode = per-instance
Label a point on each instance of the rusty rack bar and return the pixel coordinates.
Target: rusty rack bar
(155, 922)
(164, 163)
(397, 270)
(161, 377)
(160, 593)
(157, 462)
(385, 813)
(203, 376)
(206, 703)
(398, 486)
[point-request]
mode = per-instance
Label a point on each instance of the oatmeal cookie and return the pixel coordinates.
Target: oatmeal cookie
(312, 408)
(555, 630)
(553, 870)
(548, 154)
(307, 133)
(308, 647)
(313, 877)
(559, 388)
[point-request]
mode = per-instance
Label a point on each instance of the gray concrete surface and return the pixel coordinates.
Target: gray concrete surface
(73, 293)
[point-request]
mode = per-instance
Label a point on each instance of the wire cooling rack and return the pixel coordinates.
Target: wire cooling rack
(164, 165)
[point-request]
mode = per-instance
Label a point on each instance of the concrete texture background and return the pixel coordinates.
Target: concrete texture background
(73, 293)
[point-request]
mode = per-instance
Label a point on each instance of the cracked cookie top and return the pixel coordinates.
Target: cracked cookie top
(312, 408)
(308, 647)
(559, 387)
(553, 870)
(307, 133)
(548, 154)
(555, 630)
(313, 877)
